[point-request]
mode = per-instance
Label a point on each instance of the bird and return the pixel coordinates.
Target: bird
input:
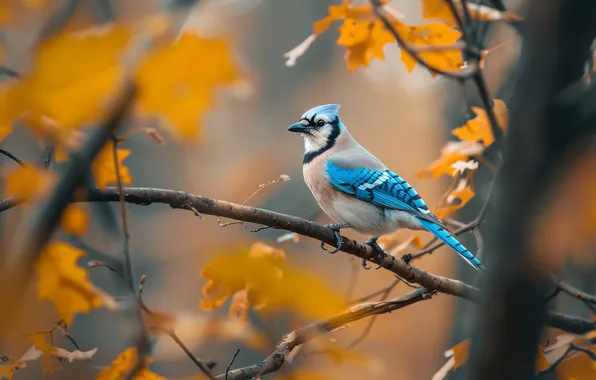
(356, 190)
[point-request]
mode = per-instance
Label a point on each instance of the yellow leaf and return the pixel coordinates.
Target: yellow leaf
(27, 182)
(104, 167)
(62, 281)
(239, 306)
(457, 199)
(478, 129)
(451, 153)
(124, 363)
(268, 285)
(363, 41)
(74, 75)
(178, 81)
(438, 9)
(304, 375)
(431, 35)
(7, 370)
(74, 220)
(260, 250)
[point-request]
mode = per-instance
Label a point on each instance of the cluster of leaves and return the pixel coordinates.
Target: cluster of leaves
(569, 356)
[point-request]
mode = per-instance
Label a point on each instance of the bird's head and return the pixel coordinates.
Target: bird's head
(320, 126)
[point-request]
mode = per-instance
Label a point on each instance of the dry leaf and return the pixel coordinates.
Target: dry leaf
(431, 35)
(239, 306)
(124, 363)
(450, 154)
(74, 220)
(104, 167)
(478, 129)
(74, 75)
(268, 284)
(27, 182)
(459, 167)
(62, 281)
(457, 199)
(50, 354)
(178, 81)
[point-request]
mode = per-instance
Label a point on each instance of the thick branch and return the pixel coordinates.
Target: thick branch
(312, 331)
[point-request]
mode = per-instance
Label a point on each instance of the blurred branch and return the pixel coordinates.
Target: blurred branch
(557, 39)
(588, 299)
(277, 358)
(11, 156)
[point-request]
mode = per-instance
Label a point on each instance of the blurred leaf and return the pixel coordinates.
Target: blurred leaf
(81, 69)
(104, 167)
(7, 370)
(363, 41)
(62, 281)
(456, 199)
(178, 81)
(239, 306)
(27, 182)
(122, 366)
(431, 35)
(460, 353)
(303, 374)
(459, 167)
(438, 9)
(74, 220)
(268, 284)
(478, 129)
(451, 153)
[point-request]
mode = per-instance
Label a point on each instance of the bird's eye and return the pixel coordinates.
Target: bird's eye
(320, 123)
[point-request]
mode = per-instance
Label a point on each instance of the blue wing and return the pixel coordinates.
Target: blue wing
(388, 190)
(382, 188)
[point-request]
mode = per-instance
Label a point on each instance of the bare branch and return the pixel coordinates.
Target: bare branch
(312, 331)
(11, 156)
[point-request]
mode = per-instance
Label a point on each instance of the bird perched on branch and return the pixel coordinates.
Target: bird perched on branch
(357, 191)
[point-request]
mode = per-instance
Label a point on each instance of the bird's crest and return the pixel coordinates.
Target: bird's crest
(330, 110)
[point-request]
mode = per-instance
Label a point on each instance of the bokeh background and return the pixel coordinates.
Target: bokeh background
(404, 119)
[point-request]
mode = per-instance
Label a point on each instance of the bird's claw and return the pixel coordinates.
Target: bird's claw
(372, 242)
(337, 237)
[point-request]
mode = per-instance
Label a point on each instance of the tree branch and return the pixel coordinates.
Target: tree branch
(277, 358)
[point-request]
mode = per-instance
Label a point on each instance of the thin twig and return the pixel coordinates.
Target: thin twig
(276, 360)
(128, 277)
(231, 362)
(12, 156)
(201, 366)
(588, 299)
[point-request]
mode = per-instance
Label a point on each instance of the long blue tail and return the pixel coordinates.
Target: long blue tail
(446, 238)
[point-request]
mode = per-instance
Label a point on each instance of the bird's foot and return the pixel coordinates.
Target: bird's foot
(372, 242)
(335, 228)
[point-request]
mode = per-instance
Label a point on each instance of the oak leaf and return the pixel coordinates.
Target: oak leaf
(62, 281)
(178, 81)
(74, 220)
(124, 363)
(73, 77)
(478, 128)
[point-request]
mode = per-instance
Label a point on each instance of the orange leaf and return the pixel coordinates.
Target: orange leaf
(268, 284)
(104, 167)
(239, 306)
(363, 41)
(74, 220)
(478, 129)
(451, 153)
(61, 281)
(457, 199)
(124, 363)
(27, 182)
(7, 370)
(429, 35)
(461, 353)
(178, 81)
(438, 9)
(81, 69)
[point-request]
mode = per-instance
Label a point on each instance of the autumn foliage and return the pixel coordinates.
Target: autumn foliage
(172, 73)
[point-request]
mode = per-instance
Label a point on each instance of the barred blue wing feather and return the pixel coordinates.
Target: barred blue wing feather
(388, 190)
(383, 188)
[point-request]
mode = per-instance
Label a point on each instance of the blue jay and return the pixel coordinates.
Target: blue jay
(356, 190)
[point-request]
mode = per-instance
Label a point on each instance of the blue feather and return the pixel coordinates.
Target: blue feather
(388, 190)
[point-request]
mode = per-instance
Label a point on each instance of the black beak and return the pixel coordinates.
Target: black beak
(299, 128)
